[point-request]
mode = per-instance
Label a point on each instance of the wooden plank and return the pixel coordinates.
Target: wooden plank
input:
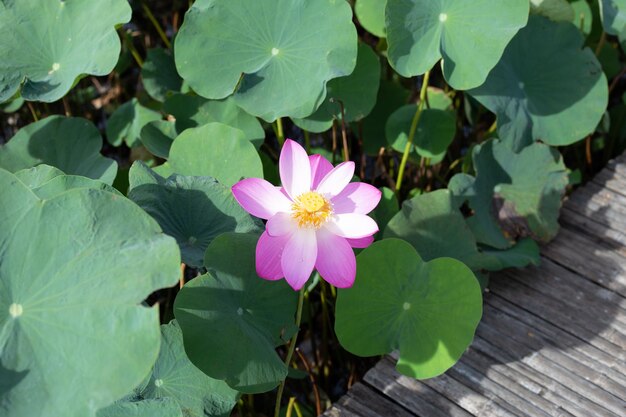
(588, 226)
(569, 320)
(611, 180)
(578, 349)
(534, 342)
(522, 353)
(602, 205)
(516, 382)
(362, 401)
(514, 401)
(410, 393)
(556, 282)
(457, 393)
(555, 390)
(589, 258)
(618, 165)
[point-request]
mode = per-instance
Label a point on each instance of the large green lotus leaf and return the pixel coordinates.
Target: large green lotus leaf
(213, 150)
(513, 194)
(158, 136)
(162, 407)
(427, 310)
(126, 122)
(69, 144)
(231, 319)
(159, 74)
(391, 96)
(47, 44)
(194, 210)
(371, 15)
(175, 378)
(557, 10)
(470, 36)
(545, 87)
(47, 182)
(275, 56)
(613, 14)
(434, 225)
(74, 336)
(356, 91)
(435, 131)
(194, 111)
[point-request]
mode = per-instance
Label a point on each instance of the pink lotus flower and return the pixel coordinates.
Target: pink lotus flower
(313, 221)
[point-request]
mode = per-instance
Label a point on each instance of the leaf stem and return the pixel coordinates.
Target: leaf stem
(128, 41)
(156, 25)
(279, 132)
(307, 141)
(414, 124)
(292, 348)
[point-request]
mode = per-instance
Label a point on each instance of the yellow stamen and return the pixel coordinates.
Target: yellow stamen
(311, 209)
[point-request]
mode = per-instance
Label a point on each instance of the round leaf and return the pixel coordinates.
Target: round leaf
(75, 337)
(274, 56)
(435, 131)
(126, 122)
(174, 378)
(50, 43)
(47, 182)
(436, 228)
(159, 74)
(194, 210)
(545, 87)
(69, 144)
(193, 111)
(429, 311)
(158, 136)
(421, 32)
(357, 92)
(231, 319)
(213, 150)
(371, 15)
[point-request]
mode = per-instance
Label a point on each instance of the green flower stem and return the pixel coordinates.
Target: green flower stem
(279, 129)
(128, 41)
(292, 348)
(156, 25)
(307, 141)
(416, 119)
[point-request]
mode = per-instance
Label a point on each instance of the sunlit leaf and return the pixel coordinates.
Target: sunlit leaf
(47, 44)
(74, 335)
(546, 87)
(213, 150)
(463, 33)
(273, 56)
(426, 310)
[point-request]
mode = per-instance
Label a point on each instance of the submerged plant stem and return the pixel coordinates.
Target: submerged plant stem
(279, 132)
(292, 348)
(414, 124)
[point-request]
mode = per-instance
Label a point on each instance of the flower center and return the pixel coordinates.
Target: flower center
(311, 210)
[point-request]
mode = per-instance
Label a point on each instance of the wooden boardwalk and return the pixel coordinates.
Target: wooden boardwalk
(552, 341)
